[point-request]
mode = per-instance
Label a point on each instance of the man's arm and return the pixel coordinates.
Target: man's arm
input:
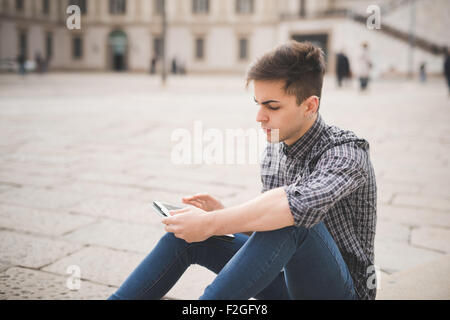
(338, 173)
(268, 211)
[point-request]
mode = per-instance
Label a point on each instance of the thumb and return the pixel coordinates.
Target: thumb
(167, 221)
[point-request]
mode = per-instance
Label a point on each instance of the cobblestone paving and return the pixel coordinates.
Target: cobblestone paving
(82, 155)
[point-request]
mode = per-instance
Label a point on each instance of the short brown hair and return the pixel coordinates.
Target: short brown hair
(300, 64)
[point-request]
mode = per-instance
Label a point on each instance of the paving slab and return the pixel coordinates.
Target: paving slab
(387, 189)
(32, 251)
(42, 198)
(22, 179)
(168, 184)
(393, 256)
(107, 177)
(436, 189)
(192, 284)
(25, 284)
(5, 265)
(94, 190)
(387, 230)
(419, 201)
(131, 210)
(35, 174)
(428, 281)
(414, 217)
(101, 265)
(39, 221)
(112, 267)
(6, 187)
(432, 238)
(119, 235)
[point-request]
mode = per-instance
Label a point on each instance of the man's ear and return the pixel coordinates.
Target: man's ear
(312, 105)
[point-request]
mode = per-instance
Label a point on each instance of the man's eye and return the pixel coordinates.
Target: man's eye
(273, 108)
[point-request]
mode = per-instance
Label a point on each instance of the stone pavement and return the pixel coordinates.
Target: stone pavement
(82, 156)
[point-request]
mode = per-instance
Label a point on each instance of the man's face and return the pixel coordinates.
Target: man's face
(278, 110)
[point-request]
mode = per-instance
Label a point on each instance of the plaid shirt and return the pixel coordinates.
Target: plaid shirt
(328, 176)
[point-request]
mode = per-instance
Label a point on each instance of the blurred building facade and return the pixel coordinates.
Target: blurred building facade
(220, 35)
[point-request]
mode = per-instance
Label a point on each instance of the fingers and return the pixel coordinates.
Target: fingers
(167, 221)
(199, 196)
(177, 231)
(195, 201)
(188, 200)
(198, 203)
(200, 200)
(175, 212)
(171, 228)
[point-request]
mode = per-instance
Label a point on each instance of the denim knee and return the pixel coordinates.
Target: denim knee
(169, 238)
(296, 233)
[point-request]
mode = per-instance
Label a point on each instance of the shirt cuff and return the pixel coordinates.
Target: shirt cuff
(303, 215)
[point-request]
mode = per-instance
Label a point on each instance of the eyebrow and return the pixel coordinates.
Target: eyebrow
(266, 102)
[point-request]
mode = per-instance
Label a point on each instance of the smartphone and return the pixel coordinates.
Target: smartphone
(163, 209)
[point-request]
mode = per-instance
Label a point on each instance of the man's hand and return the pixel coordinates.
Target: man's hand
(190, 224)
(204, 201)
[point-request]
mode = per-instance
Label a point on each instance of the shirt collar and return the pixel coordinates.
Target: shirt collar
(300, 147)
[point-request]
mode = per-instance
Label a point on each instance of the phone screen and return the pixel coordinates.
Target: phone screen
(163, 210)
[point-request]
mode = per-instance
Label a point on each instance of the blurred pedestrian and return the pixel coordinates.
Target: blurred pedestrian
(21, 63)
(39, 63)
(45, 63)
(342, 68)
(365, 65)
(423, 72)
(174, 66)
(153, 65)
(447, 68)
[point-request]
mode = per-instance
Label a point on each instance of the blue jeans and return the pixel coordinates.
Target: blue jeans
(289, 263)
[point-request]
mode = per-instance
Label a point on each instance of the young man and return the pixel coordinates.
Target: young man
(313, 226)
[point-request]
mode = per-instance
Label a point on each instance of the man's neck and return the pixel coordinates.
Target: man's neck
(302, 131)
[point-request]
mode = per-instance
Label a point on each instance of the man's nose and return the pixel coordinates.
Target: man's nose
(261, 116)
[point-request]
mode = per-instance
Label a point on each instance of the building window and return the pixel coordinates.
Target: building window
(200, 6)
(243, 49)
(46, 7)
(244, 6)
(199, 48)
(49, 45)
(19, 5)
(117, 6)
(81, 4)
(158, 47)
(159, 6)
(77, 48)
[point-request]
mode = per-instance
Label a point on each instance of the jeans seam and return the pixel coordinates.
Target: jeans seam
(348, 289)
(276, 254)
(144, 291)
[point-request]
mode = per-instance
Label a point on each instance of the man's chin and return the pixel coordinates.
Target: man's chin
(271, 139)
(272, 135)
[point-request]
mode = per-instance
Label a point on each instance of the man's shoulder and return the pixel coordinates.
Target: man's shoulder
(336, 138)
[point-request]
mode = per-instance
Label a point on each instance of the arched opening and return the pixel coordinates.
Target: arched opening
(118, 44)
